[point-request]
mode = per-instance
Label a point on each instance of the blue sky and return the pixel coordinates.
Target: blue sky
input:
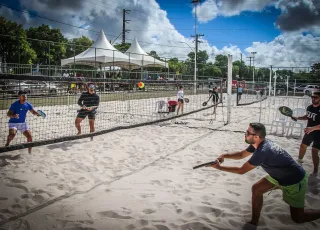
(282, 32)
(239, 30)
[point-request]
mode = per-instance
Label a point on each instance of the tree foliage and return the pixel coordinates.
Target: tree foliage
(14, 47)
(123, 47)
(47, 52)
(76, 46)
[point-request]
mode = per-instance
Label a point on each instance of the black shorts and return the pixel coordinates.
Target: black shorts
(83, 114)
(240, 94)
(313, 137)
(181, 100)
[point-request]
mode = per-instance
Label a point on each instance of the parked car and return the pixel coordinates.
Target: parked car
(34, 87)
(309, 89)
(301, 87)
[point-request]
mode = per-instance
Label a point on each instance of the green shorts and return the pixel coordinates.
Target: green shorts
(293, 195)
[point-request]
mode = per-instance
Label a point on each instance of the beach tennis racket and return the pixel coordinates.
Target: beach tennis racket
(186, 100)
(206, 102)
(92, 107)
(42, 114)
(286, 111)
(205, 164)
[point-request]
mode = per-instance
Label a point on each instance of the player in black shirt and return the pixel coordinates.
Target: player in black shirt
(89, 102)
(215, 98)
(312, 132)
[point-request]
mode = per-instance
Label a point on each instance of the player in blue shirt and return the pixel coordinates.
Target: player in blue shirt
(18, 113)
(284, 173)
(239, 92)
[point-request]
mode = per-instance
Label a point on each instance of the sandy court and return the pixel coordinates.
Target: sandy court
(142, 178)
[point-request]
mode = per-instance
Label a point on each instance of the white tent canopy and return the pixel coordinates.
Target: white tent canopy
(101, 54)
(135, 51)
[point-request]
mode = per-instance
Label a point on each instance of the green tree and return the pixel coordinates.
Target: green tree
(221, 61)
(241, 69)
(154, 54)
(262, 74)
(14, 49)
(48, 52)
(123, 47)
(315, 71)
(78, 45)
(235, 72)
(202, 57)
(212, 71)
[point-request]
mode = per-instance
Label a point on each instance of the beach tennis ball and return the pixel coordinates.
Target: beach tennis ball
(140, 85)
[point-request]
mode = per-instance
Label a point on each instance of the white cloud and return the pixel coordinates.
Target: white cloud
(151, 26)
(206, 11)
(210, 9)
(287, 50)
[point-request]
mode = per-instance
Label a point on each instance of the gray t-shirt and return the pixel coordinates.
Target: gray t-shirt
(276, 162)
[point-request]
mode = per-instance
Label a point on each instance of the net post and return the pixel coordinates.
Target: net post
(229, 89)
(237, 93)
(270, 78)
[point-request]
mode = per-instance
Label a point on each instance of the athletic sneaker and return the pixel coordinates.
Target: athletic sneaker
(300, 160)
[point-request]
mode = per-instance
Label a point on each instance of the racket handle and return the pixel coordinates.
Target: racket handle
(293, 118)
(205, 164)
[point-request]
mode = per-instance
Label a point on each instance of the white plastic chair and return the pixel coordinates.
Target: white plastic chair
(280, 120)
(161, 109)
(298, 112)
(307, 101)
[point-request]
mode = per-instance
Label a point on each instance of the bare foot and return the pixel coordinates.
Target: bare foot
(79, 133)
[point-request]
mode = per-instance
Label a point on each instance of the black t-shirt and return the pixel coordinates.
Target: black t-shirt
(313, 114)
(215, 96)
(89, 100)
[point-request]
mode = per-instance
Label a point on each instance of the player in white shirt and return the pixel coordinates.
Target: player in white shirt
(180, 96)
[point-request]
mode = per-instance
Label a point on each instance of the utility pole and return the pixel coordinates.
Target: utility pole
(124, 21)
(195, 2)
(250, 58)
(240, 75)
(253, 53)
(196, 52)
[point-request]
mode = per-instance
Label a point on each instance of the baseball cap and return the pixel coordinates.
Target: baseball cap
(91, 85)
(21, 92)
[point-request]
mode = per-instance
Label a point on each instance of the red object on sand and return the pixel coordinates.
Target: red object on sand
(170, 103)
(172, 106)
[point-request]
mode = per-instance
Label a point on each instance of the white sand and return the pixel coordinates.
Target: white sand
(142, 178)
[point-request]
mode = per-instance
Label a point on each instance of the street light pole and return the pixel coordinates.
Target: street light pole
(253, 53)
(195, 2)
(188, 45)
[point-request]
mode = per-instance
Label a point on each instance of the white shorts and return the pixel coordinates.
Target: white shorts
(22, 127)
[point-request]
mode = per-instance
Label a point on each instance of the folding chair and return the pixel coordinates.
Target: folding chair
(297, 112)
(280, 120)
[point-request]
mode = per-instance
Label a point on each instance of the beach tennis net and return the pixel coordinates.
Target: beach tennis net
(251, 92)
(122, 105)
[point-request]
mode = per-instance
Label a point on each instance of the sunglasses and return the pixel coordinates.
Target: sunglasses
(248, 133)
(23, 95)
(91, 86)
